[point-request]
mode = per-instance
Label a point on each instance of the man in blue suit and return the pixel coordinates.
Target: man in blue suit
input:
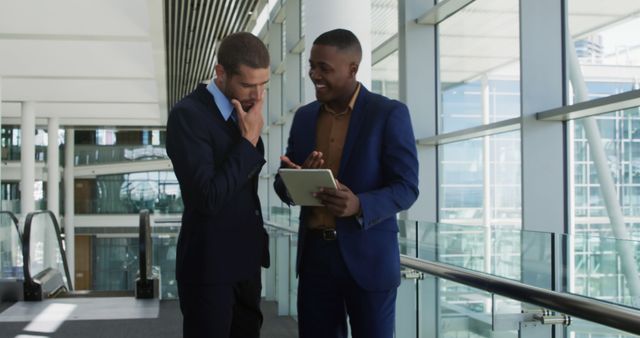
(213, 140)
(348, 256)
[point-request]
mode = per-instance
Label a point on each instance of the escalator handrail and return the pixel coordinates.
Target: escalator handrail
(26, 241)
(15, 221)
(597, 311)
(144, 245)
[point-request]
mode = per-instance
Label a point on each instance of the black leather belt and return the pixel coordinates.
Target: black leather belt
(325, 234)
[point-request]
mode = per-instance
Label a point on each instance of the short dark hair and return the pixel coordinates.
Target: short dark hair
(242, 48)
(342, 39)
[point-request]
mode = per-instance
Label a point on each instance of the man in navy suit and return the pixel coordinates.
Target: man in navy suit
(213, 140)
(348, 256)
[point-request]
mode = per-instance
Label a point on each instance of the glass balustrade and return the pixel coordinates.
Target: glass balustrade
(106, 154)
(11, 261)
(15, 207)
(163, 205)
(44, 256)
(429, 306)
(604, 268)
(12, 153)
(164, 238)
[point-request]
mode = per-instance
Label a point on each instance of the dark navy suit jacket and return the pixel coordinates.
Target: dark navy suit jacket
(222, 238)
(379, 164)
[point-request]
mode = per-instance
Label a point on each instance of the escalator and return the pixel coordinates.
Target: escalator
(46, 275)
(50, 306)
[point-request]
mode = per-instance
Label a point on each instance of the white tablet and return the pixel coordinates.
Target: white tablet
(302, 183)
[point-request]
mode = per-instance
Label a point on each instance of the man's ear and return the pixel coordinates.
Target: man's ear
(353, 67)
(220, 73)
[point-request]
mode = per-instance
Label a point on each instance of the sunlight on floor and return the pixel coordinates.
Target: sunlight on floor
(51, 318)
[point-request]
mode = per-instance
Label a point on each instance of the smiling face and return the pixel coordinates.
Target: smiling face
(333, 73)
(247, 86)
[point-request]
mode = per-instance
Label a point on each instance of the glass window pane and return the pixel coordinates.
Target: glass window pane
(384, 21)
(600, 262)
(475, 170)
(385, 77)
(479, 65)
(607, 46)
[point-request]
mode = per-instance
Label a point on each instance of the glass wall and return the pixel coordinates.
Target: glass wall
(10, 141)
(479, 65)
(102, 146)
(384, 77)
(11, 260)
(384, 21)
(603, 59)
(478, 57)
(115, 263)
(604, 249)
(384, 28)
(605, 38)
(480, 181)
(157, 191)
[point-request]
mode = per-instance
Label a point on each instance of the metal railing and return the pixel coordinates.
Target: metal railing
(611, 315)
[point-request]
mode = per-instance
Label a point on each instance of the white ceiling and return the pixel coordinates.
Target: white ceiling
(483, 38)
(88, 62)
(102, 62)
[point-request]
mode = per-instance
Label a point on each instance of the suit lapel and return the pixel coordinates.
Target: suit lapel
(355, 123)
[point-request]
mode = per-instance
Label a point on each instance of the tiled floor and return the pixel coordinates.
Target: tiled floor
(113, 317)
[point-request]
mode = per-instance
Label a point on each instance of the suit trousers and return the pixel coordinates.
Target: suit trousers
(221, 310)
(327, 295)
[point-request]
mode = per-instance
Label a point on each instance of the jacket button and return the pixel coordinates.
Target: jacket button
(257, 212)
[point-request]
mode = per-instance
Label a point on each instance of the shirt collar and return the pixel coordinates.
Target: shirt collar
(223, 103)
(352, 103)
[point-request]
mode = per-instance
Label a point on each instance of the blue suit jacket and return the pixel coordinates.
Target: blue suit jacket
(222, 238)
(379, 164)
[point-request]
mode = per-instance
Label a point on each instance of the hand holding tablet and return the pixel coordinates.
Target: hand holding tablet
(302, 183)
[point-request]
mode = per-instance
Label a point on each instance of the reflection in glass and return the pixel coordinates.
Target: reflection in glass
(384, 21)
(165, 242)
(44, 249)
(604, 60)
(605, 38)
(580, 328)
(384, 77)
(157, 191)
(479, 65)
(11, 261)
(467, 312)
(115, 263)
(605, 256)
(103, 154)
(10, 141)
(480, 181)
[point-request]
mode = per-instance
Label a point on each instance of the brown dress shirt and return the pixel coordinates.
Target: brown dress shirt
(331, 133)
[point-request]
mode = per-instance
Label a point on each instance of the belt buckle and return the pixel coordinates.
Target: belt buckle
(329, 235)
